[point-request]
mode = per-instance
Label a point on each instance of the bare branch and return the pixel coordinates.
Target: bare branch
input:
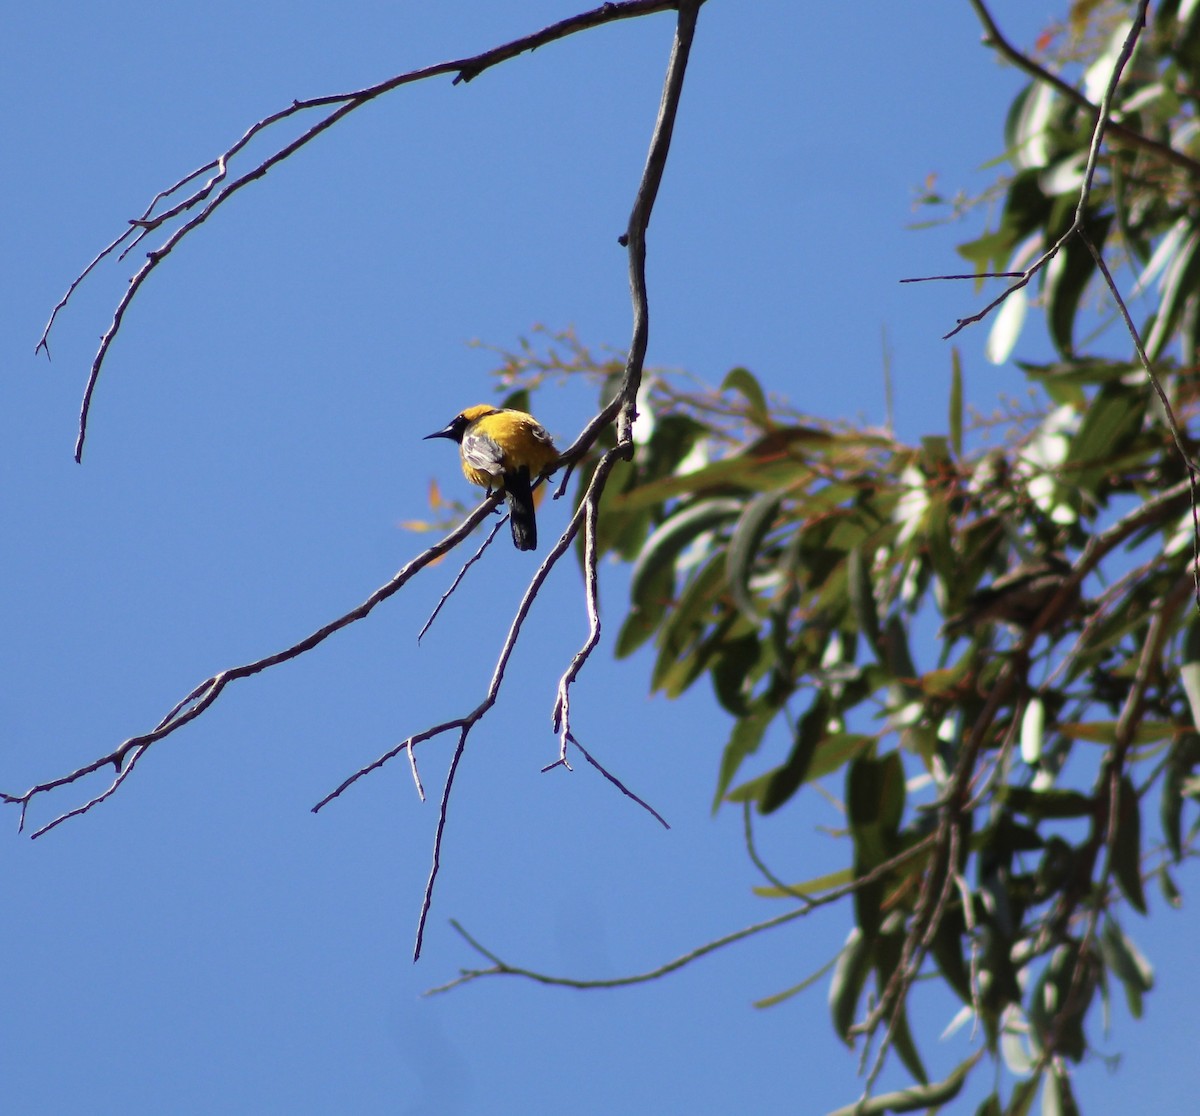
(206, 693)
(502, 968)
(341, 105)
(461, 574)
(615, 782)
(561, 716)
(427, 898)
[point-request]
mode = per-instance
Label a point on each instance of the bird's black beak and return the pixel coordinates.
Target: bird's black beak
(446, 432)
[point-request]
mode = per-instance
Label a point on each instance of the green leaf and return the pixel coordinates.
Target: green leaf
(1059, 1002)
(1127, 963)
(956, 402)
(673, 439)
(1059, 1087)
(744, 740)
(1105, 732)
(948, 954)
(986, 252)
(518, 400)
(752, 527)
(796, 989)
(1026, 209)
(768, 463)
(815, 886)
(906, 1047)
(743, 382)
(897, 658)
(1189, 670)
(1067, 276)
(1181, 278)
(1170, 810)
(917, 1098)
(786, 780)
(889, 953)
(1078, 372)
(1050, 803)
(656, 589)
(990, 1106)
(832, 752)
(849, 978)
(1127, 845)
(679, 635)
(1021, 1100)
(874, 804)
(1109, 424)
(862, 596)
(670, 539)
(734, 668)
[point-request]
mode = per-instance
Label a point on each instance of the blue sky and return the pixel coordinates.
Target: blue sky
(202, 942)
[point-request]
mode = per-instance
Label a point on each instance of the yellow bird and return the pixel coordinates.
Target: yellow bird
(504, 448)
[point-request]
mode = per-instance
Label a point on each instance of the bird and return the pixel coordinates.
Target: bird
(504, 448)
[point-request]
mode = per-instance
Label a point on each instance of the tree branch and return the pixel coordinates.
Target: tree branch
(342, 104)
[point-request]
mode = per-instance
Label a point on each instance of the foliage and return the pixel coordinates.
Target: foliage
(1014, 779)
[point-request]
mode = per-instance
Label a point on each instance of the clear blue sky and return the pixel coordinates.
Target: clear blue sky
(202, 942)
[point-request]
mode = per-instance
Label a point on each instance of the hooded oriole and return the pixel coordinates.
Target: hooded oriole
(503, 447)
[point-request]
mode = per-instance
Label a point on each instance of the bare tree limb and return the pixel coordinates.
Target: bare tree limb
(340, 105)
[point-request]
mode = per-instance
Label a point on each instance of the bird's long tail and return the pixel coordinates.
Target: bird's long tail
(518, 493)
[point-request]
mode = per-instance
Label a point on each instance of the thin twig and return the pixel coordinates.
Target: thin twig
(502, 968)
(427, 898)
(972, 275)
(618, 784)
(461, 574)
(561, 716)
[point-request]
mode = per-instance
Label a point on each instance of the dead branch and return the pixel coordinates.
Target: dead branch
(341, 105)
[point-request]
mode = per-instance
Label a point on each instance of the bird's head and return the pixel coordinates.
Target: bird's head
(457, 426)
